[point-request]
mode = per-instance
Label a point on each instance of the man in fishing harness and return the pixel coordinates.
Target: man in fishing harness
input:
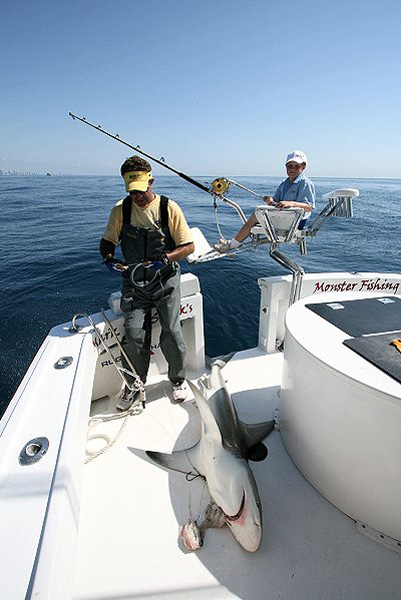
(153, 234)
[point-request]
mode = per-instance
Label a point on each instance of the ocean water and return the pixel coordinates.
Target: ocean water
(50, 268)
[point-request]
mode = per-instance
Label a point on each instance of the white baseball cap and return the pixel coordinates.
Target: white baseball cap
(297, 156)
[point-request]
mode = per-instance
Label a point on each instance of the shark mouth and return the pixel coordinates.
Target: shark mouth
(246, 526)
(236, 517)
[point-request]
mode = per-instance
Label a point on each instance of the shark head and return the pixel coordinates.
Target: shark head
(237, 495)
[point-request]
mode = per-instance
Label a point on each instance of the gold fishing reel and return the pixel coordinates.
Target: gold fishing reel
(220, 186)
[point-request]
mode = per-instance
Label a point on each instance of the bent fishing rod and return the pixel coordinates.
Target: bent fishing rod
(219, 186)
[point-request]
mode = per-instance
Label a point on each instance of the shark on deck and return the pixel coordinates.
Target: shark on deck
(221, 457)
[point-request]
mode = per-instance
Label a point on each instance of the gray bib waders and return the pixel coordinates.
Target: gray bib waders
(144, 289)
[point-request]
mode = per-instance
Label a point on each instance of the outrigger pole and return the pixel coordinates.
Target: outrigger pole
(214, 191)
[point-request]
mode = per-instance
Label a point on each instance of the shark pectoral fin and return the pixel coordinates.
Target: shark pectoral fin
(184, 461)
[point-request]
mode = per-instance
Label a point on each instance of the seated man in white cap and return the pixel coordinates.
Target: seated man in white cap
(154, 235)
(297, 191)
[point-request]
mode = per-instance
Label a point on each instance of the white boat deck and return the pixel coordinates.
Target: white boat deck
(131, 511)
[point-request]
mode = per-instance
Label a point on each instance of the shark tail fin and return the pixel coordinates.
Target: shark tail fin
(256, 432)
(256, 450)
(221, 361)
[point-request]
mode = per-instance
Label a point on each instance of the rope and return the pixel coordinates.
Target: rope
(136, 409)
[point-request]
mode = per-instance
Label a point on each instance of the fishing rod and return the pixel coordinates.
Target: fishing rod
(160, 161)
(215, 190)
(222, 184)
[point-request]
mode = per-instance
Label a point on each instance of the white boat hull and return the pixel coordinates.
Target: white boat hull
(109, 529)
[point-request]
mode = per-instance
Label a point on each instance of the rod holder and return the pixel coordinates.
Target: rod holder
(33, 451)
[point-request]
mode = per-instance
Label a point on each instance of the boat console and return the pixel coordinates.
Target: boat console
(340, 405)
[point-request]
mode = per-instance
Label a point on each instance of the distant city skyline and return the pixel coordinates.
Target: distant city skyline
(218, 86)
(14, 173)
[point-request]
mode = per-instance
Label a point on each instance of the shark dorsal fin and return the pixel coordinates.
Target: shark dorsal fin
(211, 428)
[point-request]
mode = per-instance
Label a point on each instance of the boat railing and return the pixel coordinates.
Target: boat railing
(339, 204)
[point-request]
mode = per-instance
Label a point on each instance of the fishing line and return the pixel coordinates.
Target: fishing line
(190, 476)
(215, 190)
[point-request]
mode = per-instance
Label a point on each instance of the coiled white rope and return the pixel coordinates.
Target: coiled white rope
(137, 385)
(135, 409)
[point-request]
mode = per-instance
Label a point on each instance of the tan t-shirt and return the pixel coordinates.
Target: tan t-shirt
(149, 217)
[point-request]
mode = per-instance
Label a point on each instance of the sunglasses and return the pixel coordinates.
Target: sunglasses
(136, 192)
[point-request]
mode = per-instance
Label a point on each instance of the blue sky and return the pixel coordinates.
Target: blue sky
(220, 87)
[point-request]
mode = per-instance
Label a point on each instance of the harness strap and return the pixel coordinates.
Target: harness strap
(164, 212)
(127, 208)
